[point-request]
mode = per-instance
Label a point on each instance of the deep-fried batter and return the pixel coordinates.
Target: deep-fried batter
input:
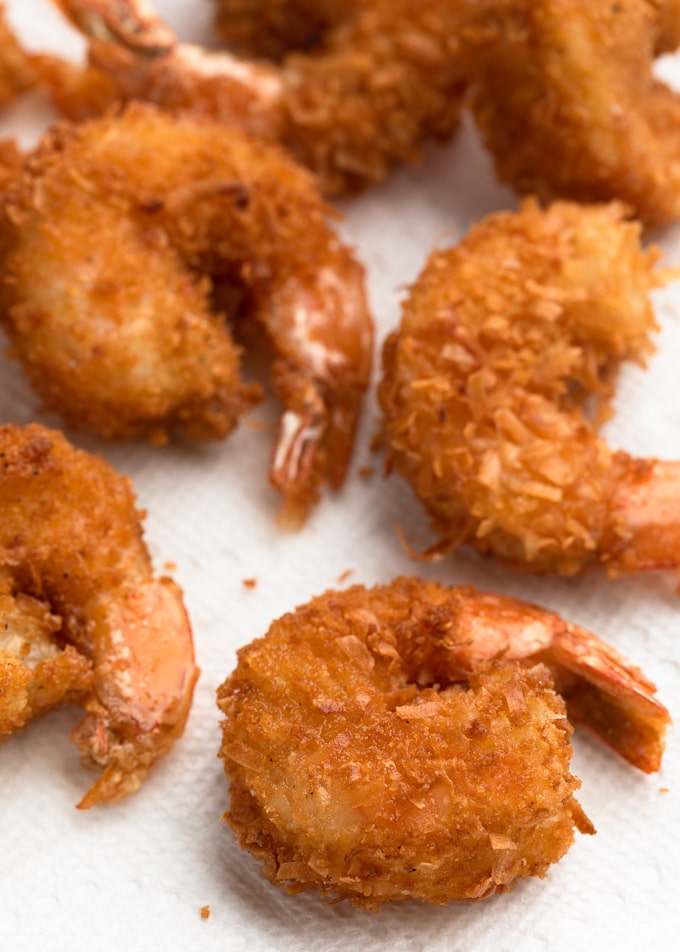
(566, 100)
(272, 28)
(109, 261)
(378, 750)
(83, 617)
(386, 75)
(17, 71)
(506, 342)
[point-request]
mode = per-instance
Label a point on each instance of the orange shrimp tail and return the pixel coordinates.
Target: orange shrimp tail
(611, 697)
(313, 446)
(645, 518)
(127, 737)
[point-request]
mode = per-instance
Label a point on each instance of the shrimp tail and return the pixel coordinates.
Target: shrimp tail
(294, 464)
(133, 54)
(610, 696)
(128, 758)
(644, 517)
(125, 734)
(313, 444)
(321, 374)
(601, 688)
(132, 24)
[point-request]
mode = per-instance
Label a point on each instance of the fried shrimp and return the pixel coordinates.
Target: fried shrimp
(84, 618)
(384, 77)
(566, 100)
(506, 341)
(407, 741)
(109, 266)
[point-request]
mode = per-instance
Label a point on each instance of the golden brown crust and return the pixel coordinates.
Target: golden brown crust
(357, 88)
(37, 672)
(359, 768)
(17, 71)
(386, 77)
(271, 28)
(566, 100)
(503, 340)
(83, 618)
(110, 264)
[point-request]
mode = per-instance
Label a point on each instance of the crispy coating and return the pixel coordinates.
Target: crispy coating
(384, 76)
(17, 71)
(109, 267)
(116, 333)
(272, 28)
(367, 80)
(506, 342)
(566, 100)
(83, 617)
(10, 162)
(37, 674)
(363, 763)
(387, 76)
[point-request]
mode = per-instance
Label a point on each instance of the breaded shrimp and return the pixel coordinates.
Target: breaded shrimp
(566, 100)
(111, 240)
(84, 619)
(385, 77)
(505, 342)
(406, 741)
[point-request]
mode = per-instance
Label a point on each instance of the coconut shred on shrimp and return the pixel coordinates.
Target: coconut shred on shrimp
(411, 741)
(386, 76)
(112, 240)
(566, 98)
(506, 341)
(84, 618)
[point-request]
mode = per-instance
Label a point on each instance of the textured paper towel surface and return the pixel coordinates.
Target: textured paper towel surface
(135, 875)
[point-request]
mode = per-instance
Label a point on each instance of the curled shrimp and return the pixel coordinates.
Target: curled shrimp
(505, 342)
(110, 263)
(385, 78)
(407, 741)
(84, 619)
(566, 99)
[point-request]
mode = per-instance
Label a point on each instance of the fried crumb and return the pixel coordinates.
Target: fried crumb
(536, 487)
(205, 912)
(249, 582)
(169, 566)
(664, 790)
(287, 706)
(366, 472)
(345, 575)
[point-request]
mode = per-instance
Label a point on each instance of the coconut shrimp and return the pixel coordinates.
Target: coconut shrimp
(506, 341)
(84, 618)
(386, 77)
(566, 99)
(110, 263)
(408, 741)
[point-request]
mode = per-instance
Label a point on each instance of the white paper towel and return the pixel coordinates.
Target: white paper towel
(135, 875)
